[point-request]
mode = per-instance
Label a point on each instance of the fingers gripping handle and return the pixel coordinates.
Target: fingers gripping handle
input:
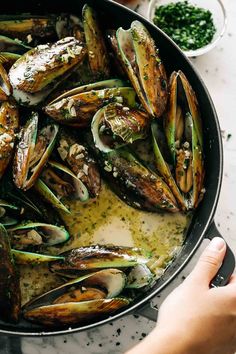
(228, 265)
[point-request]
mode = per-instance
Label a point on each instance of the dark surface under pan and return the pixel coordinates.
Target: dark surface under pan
(114, 15)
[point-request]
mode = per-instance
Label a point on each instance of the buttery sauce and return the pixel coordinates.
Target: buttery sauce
(108, 220)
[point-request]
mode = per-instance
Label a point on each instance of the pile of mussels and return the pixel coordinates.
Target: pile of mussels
(64, 119)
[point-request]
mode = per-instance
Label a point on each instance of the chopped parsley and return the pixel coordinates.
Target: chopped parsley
(191, 27)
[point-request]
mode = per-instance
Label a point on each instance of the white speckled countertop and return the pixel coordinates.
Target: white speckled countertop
(218, 70)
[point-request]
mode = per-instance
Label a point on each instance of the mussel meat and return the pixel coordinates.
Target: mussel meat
(32, 235)
(116, 125)
(78, 159)
(183, 128)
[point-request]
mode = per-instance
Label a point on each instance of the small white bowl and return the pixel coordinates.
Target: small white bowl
(219, 17)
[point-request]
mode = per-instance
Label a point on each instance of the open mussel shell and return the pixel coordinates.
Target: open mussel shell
(32, 152)
(99, 85)
(7, 59)
(182, 98)
(9, 123)
(134, 183)
(26, 27)
(29, 205)
(48, 196)
(77, 157)
(28, 77)
(31, 258)
(183, 129)
(79, 109)
(71, 186)
(10, 294)
(30, 234)
(12, 45)
(141, 61)
(124, 124)
(163, 167)
(97, 52)
(75, 312)
(96, 257)
(5, 86)
(116, 60)
(6, 209)
(139, 277)
(111, 282)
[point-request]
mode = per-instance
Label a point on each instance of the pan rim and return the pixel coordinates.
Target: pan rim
(140, 303)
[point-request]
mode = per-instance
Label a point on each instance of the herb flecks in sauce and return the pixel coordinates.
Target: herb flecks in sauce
(107, 220)
(191, 27)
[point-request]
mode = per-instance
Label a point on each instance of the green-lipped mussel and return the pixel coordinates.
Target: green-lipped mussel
(34, 235)
(141, 61)
(32, 152)
(84, 259)
(34, 75)
(77, 107)
(183, 129)
(9, 124)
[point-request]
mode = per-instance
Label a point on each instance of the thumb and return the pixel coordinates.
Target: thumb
(209, 262)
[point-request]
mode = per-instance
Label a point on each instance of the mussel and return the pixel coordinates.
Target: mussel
(79, 300)
(9, 123)
(57, 182)
(7, 59)
(6, 211)
(162, 163)
(48, 196)
(27, 205)
(141, 61)
(75, 312)
(32, 152)
(12, 45)
(10, 294)
(140, 276)
(31, 258)
(84, 259)
(97, 51)
(77, 106)
(116, 125)
(5, 86)
(33, 235)
(183, 129)
(134, 183)
(64, 182)
(26, 27)
(34, 75)
(77, 157)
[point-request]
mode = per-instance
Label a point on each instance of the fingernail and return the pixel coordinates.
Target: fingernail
(217, 244)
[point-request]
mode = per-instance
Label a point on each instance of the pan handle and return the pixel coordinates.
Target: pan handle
(222, 278)
(228, 265)
(148, 311)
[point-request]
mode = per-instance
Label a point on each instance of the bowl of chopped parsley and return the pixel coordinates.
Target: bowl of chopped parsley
(194, 25)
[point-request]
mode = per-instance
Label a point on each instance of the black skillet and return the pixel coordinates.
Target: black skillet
(114, 15)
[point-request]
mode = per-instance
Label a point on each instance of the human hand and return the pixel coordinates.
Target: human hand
(195, 318)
